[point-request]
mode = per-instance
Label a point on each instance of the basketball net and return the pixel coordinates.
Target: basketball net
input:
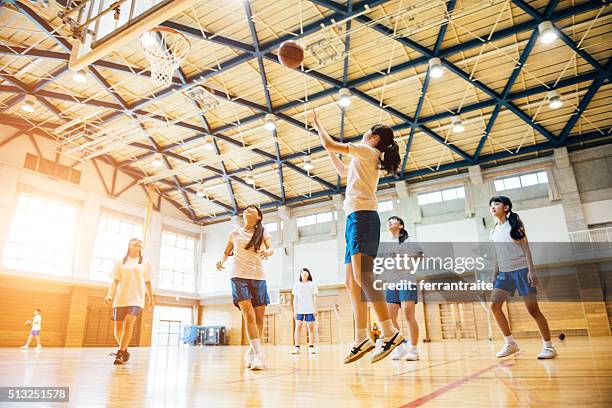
(164, 49)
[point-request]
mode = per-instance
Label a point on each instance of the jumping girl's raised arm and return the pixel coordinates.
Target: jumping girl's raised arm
(326, 140)
(229, 249)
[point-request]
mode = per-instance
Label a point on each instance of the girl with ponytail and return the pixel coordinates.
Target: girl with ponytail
(513, 270)
(376, 151)
(249, 245)
(406, 299)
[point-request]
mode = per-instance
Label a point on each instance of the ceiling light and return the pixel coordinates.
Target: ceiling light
(147, 39)
(547, 31)
(157, 160)
(28, 106)
(457, 125)
(554, 100)
(80, 77)
(307, 164)
(208, 144)
(201, 191)
(249, 178)
(270, 122)
(345, 98)
(435, 68)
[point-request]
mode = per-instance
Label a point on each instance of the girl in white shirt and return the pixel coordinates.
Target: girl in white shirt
(304, 309)
(513, 270)
(36, 323)
(129, 292)
(250, 245)
(376, 151)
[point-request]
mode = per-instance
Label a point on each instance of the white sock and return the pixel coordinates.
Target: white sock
(256, 345)
(387, 328)
(413, 348)
(360, 334)
(547, 344)
(509, 339)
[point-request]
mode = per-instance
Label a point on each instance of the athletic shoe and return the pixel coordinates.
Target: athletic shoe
(358, 350)
(38, 347)
(248, 358)
(258, 362)
(411, 355)
(125, 356)
(508, 349)
(24, 347)
(388, 345)
(399, 353)
(118, 357)
(296, 350)
(311, 350)
(547, 352)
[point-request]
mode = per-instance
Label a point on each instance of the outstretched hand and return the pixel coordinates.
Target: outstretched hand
(314, 116)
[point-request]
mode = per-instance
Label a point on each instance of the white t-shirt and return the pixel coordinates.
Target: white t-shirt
(132, 277)
(362, 179)
(304, 301)
(510, 256)
(37, 322)
(247, 264)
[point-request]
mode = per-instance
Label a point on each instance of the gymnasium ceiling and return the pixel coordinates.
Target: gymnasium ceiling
(496, 77)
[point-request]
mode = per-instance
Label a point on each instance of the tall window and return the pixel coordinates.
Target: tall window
(112, 240)
(41, 236)
(168, 323)
(524, 180)
(384, 206)
(177, 270)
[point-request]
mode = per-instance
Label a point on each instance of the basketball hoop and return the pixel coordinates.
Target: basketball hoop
(165, 49)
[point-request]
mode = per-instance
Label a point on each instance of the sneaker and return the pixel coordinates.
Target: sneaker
(118, 357)
(258, 362)
(388, 345)
(411, 355)
(358, 350)
(547, 352)
(508, 349)
(248, 358)
(311, 350)
(398, 353)
(125, 356)
(296, 350)
(38, 347)
(24, 347)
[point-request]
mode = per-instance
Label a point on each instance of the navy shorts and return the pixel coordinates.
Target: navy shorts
(398, 296)
(511, 281)
(362, 234)
(119, 313)
(253, 289)
(34, 332)
(308, 317)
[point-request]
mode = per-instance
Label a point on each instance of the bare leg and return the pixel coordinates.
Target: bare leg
(498, 297)
(260, 312)
(28, 341)
(408, 309)
(533, 308)
(297, 333)
(250, 323)
(37, 341)
(118, 331)
(393, 311)
(360, 307)
(363, 266)
(128, 329)
(311, 333)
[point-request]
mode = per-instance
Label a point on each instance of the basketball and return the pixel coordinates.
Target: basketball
(291, 54)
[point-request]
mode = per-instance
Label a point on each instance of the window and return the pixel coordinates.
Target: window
(314, 219)
(177, 271)
(112, 240)
(442, 195)
(271, 226)
(524, 180)
(41, 236)
(168, 323)
(384, 206)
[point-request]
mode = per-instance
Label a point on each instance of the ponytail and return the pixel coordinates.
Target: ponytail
(403, 233)
(258, 233)
(390, 157)
(517, 228)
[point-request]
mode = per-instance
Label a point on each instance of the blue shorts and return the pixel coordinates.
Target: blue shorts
(253, 289)
(399, 296)
(34, 332)
(308, 317)
(362, 234)
(511, 281)
(119, 313)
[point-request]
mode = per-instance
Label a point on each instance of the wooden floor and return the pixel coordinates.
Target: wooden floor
(449, 374)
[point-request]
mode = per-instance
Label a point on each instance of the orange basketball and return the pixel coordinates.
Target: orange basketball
(291, 54)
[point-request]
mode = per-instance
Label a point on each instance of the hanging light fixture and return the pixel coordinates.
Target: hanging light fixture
(28, 105)
(157, 160)
(201, 191)
(270, 122)
(249, 178)
(344, 98)
(554, 100)
(80, 77)
(457, 125)
(547, 32)
(208, 144)
(308, 164)
(435, 68)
